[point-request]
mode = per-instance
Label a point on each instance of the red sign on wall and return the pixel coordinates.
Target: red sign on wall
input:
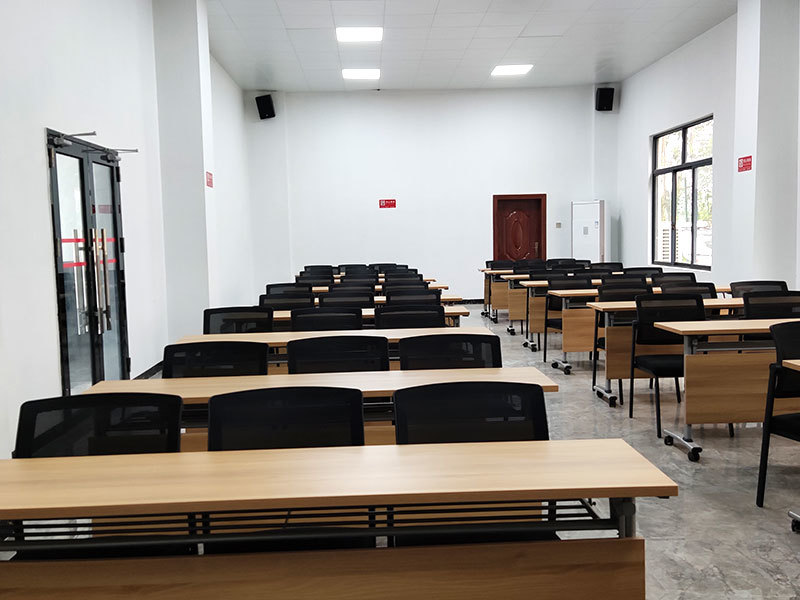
(745, 163)
(387, 203)
(209, 179)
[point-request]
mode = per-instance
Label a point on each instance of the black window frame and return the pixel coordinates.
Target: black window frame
(682, 166)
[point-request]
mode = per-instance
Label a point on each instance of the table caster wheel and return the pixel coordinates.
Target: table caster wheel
(567, 371)
(668, 441)
(534, 348)
(612, 401)
(554, 365)
(795, 525)
(525, 344)
(599, 394)
(694, 455)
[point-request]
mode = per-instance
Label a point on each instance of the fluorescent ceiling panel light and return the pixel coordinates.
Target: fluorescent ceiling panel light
(361, 73)
(501, 70)
(359, 34)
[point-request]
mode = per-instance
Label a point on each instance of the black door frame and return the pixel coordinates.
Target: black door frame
(87, 153)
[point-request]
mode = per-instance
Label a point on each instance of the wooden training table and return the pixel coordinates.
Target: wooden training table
(452, 314)
(726, 381)
(614, 318)
(309, 494)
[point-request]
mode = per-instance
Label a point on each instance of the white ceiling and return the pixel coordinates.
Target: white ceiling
(291, 45)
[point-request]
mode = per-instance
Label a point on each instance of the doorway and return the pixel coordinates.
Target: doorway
(89, 267)
(520, 226)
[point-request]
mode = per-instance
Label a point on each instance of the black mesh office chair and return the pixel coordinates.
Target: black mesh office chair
(612, 266)
(94, 424)
(343, 290)
(91, 425)
(566, 269)
(414, 297)
(499, 264)
(215, 359)
(594, 272)
(383, 267)
(643, 271)
(402, 276)
(470, 412)
(318, 269)
(288, 417)
(705, 289)
(274, 289)
(346, 299)
(614, 292)
(740, 288)
(661, 278)
(357, 281)
(450, 351)
(555, 262)
(652, 308)
(326, 318)
(409, 316)
(416, 286)
(624, 280)
(771, 305)
(585, 264)
(526, 265)
(315, 280)
(783, 383)
(356, 268)
(285, 302)
(338, 353)
(554, 304)
(237, 319)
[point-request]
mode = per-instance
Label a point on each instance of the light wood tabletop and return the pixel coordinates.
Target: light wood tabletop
(322, 289)
(279, 339)
(197, 390)
(382, 299)
(720, 327)
(382, 276)
(794, 365)
(138, 484)
(498, 271)
(368, 314)
(583, 293)
(630, 305)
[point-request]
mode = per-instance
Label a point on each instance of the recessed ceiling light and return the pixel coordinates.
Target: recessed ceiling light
(501, 70)
(359, 34)
(361, 73)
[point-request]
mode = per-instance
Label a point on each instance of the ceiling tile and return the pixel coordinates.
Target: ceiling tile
(422, 20)
(358, 20)
(304, 7)
(310, 21)
(515, 6)
(451, 33)
(358, 7)
(410, 7)
(447, 44)
(318, 60)
(319, 40)
(457, 19)
(458, 6)
(551, 23)
(498, 32)
(251, 7)
(503, 19)
(258, 21)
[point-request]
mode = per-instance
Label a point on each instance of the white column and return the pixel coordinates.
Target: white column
(765, 198)
(184, 108)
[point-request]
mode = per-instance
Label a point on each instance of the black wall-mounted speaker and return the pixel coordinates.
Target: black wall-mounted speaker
(266, 110)
(604, 99)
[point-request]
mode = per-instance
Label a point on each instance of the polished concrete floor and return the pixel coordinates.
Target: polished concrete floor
(711, 541)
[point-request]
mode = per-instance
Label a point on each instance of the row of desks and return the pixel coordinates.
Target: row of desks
(452, 313)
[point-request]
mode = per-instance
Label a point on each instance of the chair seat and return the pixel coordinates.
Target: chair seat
(555, 323)
(601, 343)
(660, 365)
(787, 426)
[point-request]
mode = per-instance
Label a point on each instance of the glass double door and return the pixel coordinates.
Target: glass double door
(90, 276)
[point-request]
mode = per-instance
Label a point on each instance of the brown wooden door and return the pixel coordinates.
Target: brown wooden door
(520, 227)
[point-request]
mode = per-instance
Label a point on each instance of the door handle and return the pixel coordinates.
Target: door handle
(100, 312)
(80, 286)
(536, 249)
(107, 310)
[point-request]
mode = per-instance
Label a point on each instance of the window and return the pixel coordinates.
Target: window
(682, 195)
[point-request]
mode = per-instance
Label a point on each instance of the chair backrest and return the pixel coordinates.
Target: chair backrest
(583, 263)
(402, 276)
(326, 318)
(315, 280)
(215, 359)
(705, 289)
(358, 280)
(414, 297)
(338, 353)
(635, 280)
(787, 347)
(237, 319)
(614, 266)
(318, 269)
(740, 288)
(285, 302)
(349, 300)
(652, 308)
(526, 265)
(554, 262)
(288, 417)
(661, 278)
(644, 271)
(341, 289)
(356, 268)
(405, 316)
(499, 264)
(596, 272)
(470, 412)
(416, 286)
(620, 293)
(274, 289)
(566, 269)
(383, 267)
(771, 305)
(450, 351)
(93, 424)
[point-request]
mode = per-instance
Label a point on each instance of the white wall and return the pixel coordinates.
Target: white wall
(232, 261)
(442, 155)
(696, 80)
(78, 66)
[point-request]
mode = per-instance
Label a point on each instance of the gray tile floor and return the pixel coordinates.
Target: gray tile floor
(711, 541)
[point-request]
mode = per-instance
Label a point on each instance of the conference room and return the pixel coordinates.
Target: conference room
(400, 299)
